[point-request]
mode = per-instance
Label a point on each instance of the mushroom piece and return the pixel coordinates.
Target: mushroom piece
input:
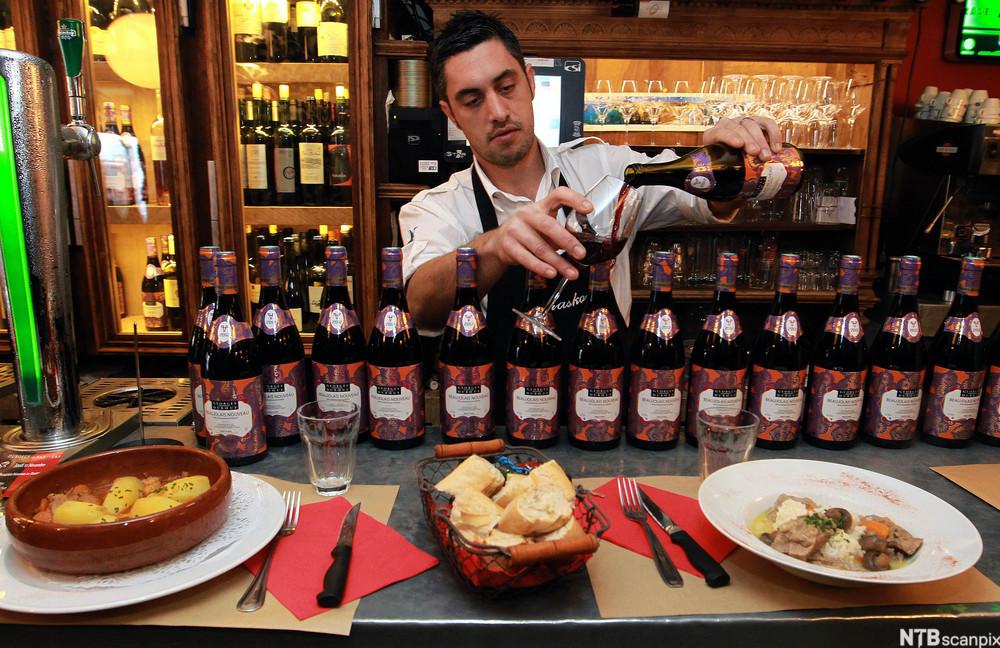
(841, 516)
(767, 538)
(871, 542)
(876, 561)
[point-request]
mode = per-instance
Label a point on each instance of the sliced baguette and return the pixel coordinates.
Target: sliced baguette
(475, 473)
(514, 486)
(568, 531)
(552, 473)
(500, 538)
(474, 514)
(542, 508)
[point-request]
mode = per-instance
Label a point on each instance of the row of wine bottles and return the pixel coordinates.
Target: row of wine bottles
(123, 161)
(300, 31)
(161, 301)
(295, 152)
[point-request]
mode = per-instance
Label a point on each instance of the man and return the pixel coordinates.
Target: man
(509, 204)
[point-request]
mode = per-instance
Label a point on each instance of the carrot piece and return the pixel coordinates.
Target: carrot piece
(878, 528)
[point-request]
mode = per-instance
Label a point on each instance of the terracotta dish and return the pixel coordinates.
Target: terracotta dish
(126, 544)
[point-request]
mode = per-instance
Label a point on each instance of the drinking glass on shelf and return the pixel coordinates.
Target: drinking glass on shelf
(854, 110)
(602, 100)
(627, 107)
(654, 86)
(682, 87)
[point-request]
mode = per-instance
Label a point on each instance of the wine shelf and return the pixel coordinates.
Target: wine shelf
(323, 74)
(398, 191)
(402, 49)
(335, 216)
(759, 227)
(132, 215)
(990, 263)
(742, 294)
(644, 128)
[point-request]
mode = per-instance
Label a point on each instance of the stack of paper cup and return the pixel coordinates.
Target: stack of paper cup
(922, 109)
(937, 108)
(989, 113)
(954, 108)
(976, 100)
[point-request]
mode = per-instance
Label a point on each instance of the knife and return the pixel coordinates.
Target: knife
(715, 575)
(336, 576)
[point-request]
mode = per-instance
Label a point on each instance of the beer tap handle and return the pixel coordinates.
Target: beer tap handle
(80, 141)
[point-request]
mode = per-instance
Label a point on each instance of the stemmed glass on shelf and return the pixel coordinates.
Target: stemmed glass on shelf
(654, 107)
(627, 106)
(602, 100)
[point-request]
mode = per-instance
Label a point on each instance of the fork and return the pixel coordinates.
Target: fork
(253, 598)
(628, 495)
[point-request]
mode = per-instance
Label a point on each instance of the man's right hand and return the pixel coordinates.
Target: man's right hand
(532, 234)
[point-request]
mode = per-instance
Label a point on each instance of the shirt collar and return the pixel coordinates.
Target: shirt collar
(552, 172)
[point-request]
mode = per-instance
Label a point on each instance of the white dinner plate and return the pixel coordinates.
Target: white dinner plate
(255, 514)
(730, 498)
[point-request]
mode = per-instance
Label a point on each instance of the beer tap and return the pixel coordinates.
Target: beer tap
(79, 139)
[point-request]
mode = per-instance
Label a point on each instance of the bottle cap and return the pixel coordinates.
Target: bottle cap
(225, 272)
(392, 268)
(257, 90)
(206, 259)
(908, 276)
(466, 262)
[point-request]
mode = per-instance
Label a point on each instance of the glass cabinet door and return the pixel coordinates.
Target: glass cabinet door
(8, 39)
(136, 217)
(292, 73)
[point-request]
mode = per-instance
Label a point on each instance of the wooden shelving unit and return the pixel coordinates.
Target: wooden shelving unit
(133, 215)
(743, 294)
(401, 49)
(326, 74)
(292, 216)
(398, 191)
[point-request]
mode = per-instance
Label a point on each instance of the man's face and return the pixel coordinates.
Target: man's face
(489, 98)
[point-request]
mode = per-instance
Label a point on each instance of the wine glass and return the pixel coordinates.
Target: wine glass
(627, 107)
(603, 233)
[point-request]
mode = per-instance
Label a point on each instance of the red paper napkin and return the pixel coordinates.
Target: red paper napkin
(380, 558)
(685, 513)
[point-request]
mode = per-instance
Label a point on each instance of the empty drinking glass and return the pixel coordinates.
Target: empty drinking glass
(331, 439)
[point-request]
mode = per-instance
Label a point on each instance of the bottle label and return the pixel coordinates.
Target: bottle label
(726, 325)
(154, 310)
(244, 180)
(153, 271)
(595, 403)
(533, 402)
(655, 409)
(339, 384)
(468, 320)
(275, 11)
(272, 319)
(256, 156)
(396, 402)
(171, 294)
(284, 170)
(226, 331)
(892, 405)
(718, 389)
(989, 417)
(777, 397)
(98, 41)
(835, 402)
(776, 178)
(254, 293)
(296, 314)
(337, 319)
(701, 179)
(331, 39)
(306, 13)
(284, 387)
(158, 148)
(953, 403)
(245, 16)
(537, 312)
(234, 417)
(786, 326)
(599, 322)
(197, 400)
(907, 327)
(391, 321)
(315, 294)
(662, 324)
(848, 327)
(311, 163)
(114, 179)
(970, 327)
(465, 401)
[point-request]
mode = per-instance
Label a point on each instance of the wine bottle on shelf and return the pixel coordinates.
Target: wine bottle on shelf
(274, 19)
(395, 378)
(286, 154)
(119, 289)
(534, 374)
(719, 360)
(137, 159)
(199, 340)
(307, 21)
(234, 399)
(245, 18)
(162, 175)
(839, 367)
(465, 363)
(718, 172)
(97, 35)
(315, 281)
(338, 352)
(331, 35)
(657, 371)
(597, 368)
(171, 290)
(957, 366)
(254, 275)
(312, 177)
(895, 384)
(259, 153)
(779, 365)
(154, 306)
(988, 429)
(339, 158)
(116, 169)
(282, 356)
(294, 296)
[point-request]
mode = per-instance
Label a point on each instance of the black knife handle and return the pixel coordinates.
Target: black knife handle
(715, 575)
(335, 579)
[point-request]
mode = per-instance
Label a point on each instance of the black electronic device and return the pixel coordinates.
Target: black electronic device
(952, 149)
(415, 145)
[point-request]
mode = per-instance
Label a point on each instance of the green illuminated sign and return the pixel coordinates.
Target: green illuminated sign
(14, 254)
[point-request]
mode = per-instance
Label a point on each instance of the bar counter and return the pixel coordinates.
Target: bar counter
(434, 608)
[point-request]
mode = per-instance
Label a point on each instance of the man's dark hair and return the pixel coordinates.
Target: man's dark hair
(465, 30)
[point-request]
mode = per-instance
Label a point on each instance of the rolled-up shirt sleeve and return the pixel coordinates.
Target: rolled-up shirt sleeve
(426, 235)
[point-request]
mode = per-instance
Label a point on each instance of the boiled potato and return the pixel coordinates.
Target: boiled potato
(73, 512)
(124, 492)
(186, 489)
(152, 504)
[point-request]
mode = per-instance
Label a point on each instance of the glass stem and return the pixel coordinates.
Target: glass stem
(555, 295)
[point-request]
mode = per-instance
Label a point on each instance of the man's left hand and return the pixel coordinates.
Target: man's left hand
(756, 135)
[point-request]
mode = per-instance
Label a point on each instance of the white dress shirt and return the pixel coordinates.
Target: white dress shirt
(443, 218)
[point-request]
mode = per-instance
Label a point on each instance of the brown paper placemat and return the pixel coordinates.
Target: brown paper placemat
(213, 604)
(982, 480)
(626, 584)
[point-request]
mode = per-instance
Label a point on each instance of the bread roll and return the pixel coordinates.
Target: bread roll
(498, 538)
(539, 509)
(514, 486)
(475, 473)
(552, 473)
(570, 530)
(474, 514)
